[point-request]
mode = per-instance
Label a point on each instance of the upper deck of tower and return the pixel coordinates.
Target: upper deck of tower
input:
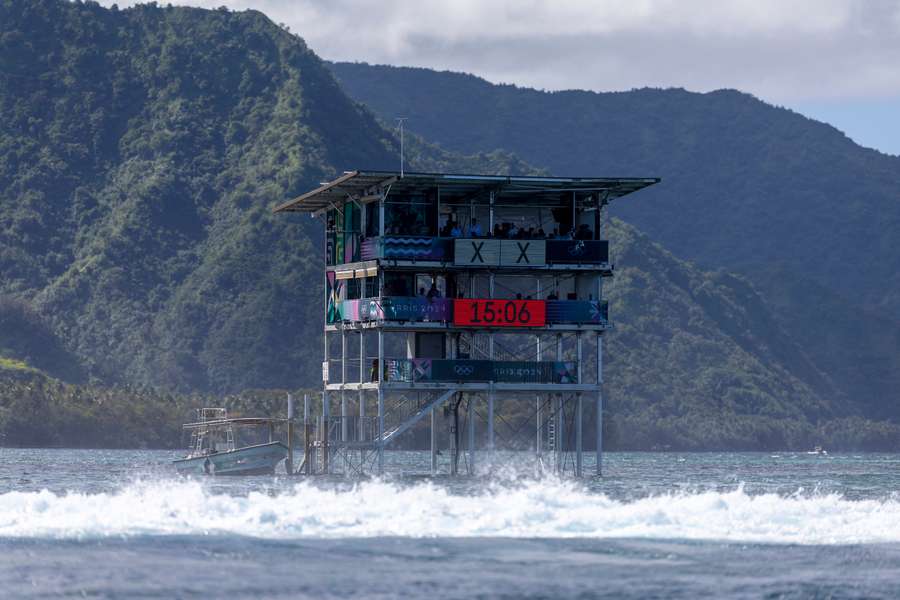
(383, 218)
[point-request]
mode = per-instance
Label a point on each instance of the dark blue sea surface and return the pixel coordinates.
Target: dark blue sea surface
(121, 524)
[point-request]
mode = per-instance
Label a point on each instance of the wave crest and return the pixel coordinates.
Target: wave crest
(541, 509)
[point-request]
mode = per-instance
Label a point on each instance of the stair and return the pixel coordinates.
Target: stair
(390, 436)
(481, 350)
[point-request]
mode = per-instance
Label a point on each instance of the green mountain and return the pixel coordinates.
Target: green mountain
(807, 216)
(141, 152)
(741, 382)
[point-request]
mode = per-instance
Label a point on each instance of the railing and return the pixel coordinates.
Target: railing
(397, 308)
(486, 251)
(419, 309)
(416, 370)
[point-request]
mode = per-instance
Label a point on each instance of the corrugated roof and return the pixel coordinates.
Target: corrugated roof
(359, 185)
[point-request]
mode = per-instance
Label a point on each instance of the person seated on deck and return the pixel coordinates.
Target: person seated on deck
(456, 231)
(475, 229)
(422, 292)
(513, 231)
(447, 229)
(540, 234)
(433, 292)
(553, 296)
(498, 231)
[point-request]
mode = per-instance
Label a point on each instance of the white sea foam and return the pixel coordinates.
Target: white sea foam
(539, 509)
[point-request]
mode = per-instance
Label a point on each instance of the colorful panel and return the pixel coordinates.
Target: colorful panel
(416, 308)
(499, 313)
(417, 248)
(332, 299)
(370, 249)
(577, 311)
(402, 308)
(577, 251)
(427, 369)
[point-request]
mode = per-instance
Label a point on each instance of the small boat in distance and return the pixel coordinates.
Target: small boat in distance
(214, 451)
(819, 451)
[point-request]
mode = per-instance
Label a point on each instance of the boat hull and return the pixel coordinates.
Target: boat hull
(251, 460)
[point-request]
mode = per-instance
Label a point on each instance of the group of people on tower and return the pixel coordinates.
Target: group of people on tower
(510, 231)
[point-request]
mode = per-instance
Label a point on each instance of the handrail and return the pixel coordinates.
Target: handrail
(419, 308)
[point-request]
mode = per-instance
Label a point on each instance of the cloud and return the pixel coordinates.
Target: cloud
(782, 51)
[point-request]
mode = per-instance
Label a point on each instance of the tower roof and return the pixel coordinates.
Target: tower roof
(366, 186)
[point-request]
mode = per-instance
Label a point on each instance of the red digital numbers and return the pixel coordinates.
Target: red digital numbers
(500, 313)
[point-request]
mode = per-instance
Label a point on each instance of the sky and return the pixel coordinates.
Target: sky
(833, 60)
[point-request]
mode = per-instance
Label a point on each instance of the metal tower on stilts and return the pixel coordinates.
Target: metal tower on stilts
(465, 315)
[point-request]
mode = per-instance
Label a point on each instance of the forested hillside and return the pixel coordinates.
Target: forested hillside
(141, 152)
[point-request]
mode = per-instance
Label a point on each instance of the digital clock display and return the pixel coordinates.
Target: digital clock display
(499, 313)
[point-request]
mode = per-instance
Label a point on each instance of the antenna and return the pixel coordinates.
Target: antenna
(400, 121)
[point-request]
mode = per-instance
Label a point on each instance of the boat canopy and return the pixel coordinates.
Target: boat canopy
(235, 421)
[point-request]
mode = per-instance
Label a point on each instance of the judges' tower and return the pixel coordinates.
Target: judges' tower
(475, 302)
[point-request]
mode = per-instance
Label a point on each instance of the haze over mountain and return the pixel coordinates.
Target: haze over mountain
(141, 152)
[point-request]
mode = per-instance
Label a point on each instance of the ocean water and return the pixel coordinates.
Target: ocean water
(121, 524)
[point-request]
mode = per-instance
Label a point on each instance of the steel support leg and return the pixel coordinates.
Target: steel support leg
(599, 409)
(343, 382)
(490, 426)
(380, 402)
(471, 417)
(361, 433)
(434, 440)
(578, 439)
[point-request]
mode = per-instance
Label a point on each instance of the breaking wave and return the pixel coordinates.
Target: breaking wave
(541, 509)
